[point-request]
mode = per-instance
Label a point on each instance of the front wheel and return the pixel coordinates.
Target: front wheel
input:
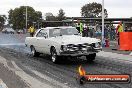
(91, 57)
(33, 52)
(54, 57)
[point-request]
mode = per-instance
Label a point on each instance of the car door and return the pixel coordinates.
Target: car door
(42, 41)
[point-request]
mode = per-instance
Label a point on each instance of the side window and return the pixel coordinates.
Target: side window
(39, 34)
(42, 33)
(54, 32)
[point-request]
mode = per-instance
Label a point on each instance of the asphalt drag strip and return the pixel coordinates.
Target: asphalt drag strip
(29, 80)
(64, 74)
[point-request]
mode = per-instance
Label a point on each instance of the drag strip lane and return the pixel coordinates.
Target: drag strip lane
(66, 72)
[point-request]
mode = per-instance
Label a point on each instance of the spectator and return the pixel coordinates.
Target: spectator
(80, 27)
(118, 30)
(31, 31)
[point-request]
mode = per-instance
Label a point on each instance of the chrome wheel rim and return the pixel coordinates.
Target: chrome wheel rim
(53, 57)
(32, 51)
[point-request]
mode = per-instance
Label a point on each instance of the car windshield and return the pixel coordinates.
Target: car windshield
(60, 32)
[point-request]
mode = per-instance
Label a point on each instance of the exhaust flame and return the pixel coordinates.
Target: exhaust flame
(81, 71)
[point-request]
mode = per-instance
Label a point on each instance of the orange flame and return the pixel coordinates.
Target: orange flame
(82, 72)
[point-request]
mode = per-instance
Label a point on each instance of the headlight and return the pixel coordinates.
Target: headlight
(64, 47)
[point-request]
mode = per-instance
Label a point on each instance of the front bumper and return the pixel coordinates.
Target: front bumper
(80, 53)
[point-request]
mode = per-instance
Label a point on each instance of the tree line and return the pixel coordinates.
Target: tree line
(2, 21)
(17, 16)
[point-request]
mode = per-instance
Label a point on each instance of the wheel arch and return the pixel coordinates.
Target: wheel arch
(31, 46)
(51, 48)
(56, 46)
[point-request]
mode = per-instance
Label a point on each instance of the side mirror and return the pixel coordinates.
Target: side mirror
(45, 37)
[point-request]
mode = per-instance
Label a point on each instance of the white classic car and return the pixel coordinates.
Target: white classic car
(63, 41)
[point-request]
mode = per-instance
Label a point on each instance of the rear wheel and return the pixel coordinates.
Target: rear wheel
(54, 57)
(91, 57)
(33, 52)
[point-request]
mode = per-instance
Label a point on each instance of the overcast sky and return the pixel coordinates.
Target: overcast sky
(115, 8)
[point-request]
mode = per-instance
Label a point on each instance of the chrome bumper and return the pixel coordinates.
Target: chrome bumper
(80, 53)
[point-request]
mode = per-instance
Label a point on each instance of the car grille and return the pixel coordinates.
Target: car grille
(79, 47)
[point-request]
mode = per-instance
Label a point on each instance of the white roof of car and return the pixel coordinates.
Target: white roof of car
(63, 27)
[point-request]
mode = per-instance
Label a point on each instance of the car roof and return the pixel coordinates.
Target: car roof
(62, 27)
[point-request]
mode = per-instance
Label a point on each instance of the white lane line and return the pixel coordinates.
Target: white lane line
(2, 59)
(2, 84)
(29, 80)
(50, 79)
(15, 66)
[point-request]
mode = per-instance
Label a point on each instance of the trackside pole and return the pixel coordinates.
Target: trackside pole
(103, 23)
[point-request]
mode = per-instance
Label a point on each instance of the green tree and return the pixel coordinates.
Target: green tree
(2, 21)
(61, 15)
(93, 10)
(10, 16)
(50, 17)
(17, 17)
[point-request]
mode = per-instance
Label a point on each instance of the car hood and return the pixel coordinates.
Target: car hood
(73, 39)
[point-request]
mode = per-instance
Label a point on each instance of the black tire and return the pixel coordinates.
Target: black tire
(33, 52)
(54, 57)
(91, 57)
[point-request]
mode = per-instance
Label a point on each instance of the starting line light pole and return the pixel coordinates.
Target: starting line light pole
(26, 16)
(102, 23)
